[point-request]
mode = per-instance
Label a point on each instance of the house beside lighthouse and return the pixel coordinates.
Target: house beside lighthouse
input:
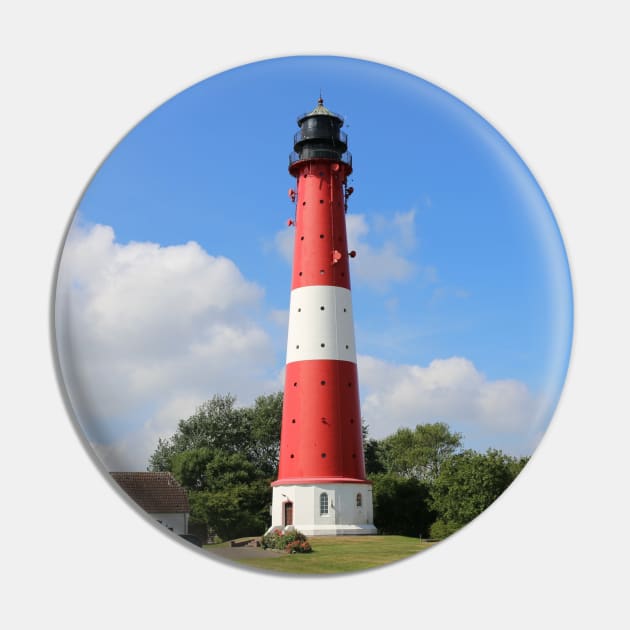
(321, 487)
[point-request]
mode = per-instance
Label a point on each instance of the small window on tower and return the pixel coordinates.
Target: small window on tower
(359, 500)
(323, 503)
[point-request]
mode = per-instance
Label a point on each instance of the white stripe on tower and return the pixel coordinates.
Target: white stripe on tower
(320, 324)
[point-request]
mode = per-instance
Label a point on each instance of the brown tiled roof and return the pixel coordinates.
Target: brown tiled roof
(153, 491)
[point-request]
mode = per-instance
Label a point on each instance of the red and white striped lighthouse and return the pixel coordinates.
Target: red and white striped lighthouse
(321, 487)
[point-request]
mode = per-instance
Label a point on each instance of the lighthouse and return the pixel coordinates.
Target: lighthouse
(321, 487)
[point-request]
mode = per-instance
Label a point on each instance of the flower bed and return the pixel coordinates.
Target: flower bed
(290, 541)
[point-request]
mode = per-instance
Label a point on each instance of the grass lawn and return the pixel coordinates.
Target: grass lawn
(335, 554)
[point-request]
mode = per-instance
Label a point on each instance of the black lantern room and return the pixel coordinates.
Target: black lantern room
(320, 137)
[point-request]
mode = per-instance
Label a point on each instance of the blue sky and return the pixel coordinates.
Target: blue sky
(461, 288)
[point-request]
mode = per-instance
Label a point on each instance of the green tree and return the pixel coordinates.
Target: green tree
(226, 491)
(238, 496)
(400, 505)
(468, 483)
(265, 421)
(373, 462)
(228, 470)
(232, 512)
(218, 425)
(420, 452)
(226, 457)
(189, 467)
(372, 452)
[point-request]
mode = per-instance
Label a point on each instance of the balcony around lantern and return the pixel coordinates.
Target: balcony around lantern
(321, 154)
(339, 137)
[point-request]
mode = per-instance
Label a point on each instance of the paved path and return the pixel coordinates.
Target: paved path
(239, 553)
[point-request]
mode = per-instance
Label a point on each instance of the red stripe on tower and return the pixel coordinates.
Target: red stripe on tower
(321, 445)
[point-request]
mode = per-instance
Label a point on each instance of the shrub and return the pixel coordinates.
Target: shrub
(291, 541)
(442, 529)
(299, 546)
(272, 540)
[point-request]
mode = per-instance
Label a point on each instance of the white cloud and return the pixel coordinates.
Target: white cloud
(280, 317)
(132, 450)
(449, 390)
(378, 266)
(284, 241)
(405, 224)
(144, 329)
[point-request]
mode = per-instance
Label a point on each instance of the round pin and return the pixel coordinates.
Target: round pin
(216, 354)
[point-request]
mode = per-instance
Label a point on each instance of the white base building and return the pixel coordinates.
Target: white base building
(323, 509)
